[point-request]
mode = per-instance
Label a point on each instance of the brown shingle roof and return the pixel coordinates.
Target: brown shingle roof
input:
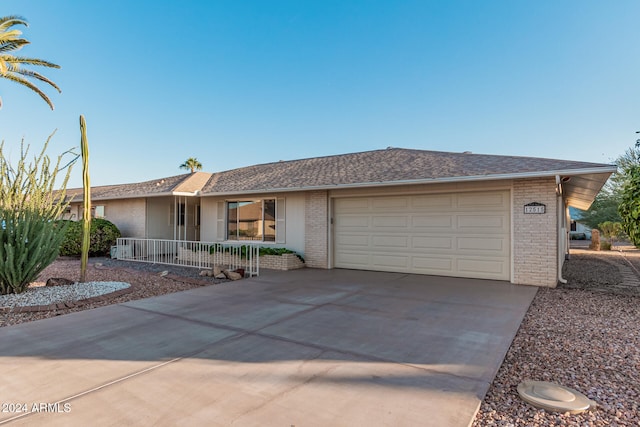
(189, 182)
(380, 166)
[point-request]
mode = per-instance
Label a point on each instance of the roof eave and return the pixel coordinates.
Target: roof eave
(138, 196)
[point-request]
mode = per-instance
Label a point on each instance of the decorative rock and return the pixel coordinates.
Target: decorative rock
(205, 273)
(59, 281)
(220, 276)
(232, 275)
(163, 273)
(217, 271)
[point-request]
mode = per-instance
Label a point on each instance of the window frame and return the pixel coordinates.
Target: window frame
(238, 202)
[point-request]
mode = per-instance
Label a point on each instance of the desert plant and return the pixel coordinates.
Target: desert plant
(12, 67)
(86, 218)
(610, 231)
(29, 235)
(103, 234)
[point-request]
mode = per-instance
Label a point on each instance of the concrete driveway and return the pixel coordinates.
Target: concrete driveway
(299, 348)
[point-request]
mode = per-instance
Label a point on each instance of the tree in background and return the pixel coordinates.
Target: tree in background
(628, 179)
(630, 204)
(604, 208)
(29, 235)
(191, 164)
(11, 65)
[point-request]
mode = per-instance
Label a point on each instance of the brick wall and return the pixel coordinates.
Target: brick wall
(316, 233)
(281, 262)
(535, 235)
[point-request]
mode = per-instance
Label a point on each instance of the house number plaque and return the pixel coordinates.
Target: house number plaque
(535, 208)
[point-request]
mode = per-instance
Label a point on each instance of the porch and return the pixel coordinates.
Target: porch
(203, 255)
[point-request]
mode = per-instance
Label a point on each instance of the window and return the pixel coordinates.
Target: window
(251, 220)
(97, 211)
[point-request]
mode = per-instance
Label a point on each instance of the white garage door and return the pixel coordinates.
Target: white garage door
(458, 234)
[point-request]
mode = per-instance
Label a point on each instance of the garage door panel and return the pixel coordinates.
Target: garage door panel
(390, 221)
(457, 234)
(483, 200)
(357, 240)
(494, 267)
(429, 242)
(432, 221)
(354, 260)
(389, 203)
(482, 244)
(358, 204)
(486, 223)
(433, 201)
(432, 265)
(352, 221)
(390, 242)
(387, 261)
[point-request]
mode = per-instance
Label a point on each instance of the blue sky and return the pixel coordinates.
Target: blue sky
(236, 83)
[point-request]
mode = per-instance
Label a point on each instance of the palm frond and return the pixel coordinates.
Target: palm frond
(28, 73)
(21, 80)
(11, 65)
(11, 45)
(10, 35)
(11, 20)
(11, 59)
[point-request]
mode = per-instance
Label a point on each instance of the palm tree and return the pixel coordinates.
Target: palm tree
(10, 65)
(191, 163)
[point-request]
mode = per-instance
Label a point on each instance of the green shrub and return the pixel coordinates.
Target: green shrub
(103, 235)
(262, 251)
(71, 244)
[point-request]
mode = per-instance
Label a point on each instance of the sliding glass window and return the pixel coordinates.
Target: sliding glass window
(251, 220)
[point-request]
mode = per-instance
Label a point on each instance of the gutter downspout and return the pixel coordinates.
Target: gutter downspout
(561, 236)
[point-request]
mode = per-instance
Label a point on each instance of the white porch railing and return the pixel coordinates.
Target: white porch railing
(190, 254)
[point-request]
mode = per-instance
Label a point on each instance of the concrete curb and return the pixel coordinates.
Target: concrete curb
(68, 304)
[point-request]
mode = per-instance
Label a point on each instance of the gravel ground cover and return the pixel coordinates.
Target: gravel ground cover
(583, 335)
(145, 280)
(45, 295)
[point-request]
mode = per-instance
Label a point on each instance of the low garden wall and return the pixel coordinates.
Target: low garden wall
(281, 262)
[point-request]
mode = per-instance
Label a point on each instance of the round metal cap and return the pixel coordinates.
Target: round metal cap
(554, 397)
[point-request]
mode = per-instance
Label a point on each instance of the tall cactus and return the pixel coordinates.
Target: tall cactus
(86, 217)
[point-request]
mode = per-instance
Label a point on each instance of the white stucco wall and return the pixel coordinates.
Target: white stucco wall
(158, 226)
(294, 219)
(127, 214)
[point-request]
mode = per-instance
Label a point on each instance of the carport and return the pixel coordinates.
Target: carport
(307, 347)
